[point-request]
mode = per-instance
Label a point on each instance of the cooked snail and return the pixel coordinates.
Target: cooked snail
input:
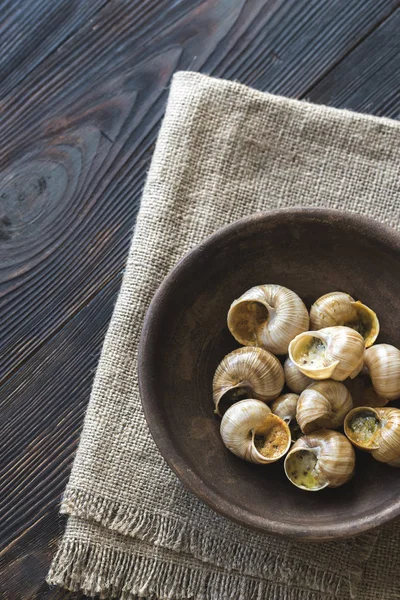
(383, 364)
(337, 308)
(376, 430)
(285, 407)
(323, 404)
(321, 459)
(269, 316)
(271, 319)
(333, 352)
(248, 372)
(295, 379)
(251, 431)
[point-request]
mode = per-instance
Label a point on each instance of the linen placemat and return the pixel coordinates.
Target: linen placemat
(224, 151)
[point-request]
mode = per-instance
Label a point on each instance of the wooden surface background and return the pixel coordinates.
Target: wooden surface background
(83, 89)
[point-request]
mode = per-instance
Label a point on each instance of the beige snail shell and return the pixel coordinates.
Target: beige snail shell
(285, 407)
(376, 430)
(323, 404)
(295, 379)
(338, 308)
(269, 316)
(320, 459)
(330, 353)
(251, 431)
(383, 364)
(248, 372)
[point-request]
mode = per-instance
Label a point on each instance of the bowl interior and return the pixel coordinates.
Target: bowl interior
(185, 336)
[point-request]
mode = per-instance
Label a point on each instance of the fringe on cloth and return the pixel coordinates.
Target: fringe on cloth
(178, 536)
(107, 572)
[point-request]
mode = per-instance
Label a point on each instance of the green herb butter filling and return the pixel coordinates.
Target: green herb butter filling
(362, 324)
(313, 354)
(302, 470)
(364, 427)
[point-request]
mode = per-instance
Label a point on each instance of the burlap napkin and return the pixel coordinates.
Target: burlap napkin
(224, 151)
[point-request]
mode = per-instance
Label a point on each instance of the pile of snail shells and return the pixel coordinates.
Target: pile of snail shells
(331, 345)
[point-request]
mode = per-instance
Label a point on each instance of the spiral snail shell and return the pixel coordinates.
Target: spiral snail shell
(320, 459)
(248, 372)
(338, 308)
(295, 379)
(269, 316)
(376, 430)
(251, 431)
(323, 404)
(383, 364)
(285, 406)
(330, 353)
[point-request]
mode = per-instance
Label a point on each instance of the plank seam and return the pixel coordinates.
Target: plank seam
(356, 45)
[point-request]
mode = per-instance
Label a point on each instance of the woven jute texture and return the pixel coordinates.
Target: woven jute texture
(224, 151)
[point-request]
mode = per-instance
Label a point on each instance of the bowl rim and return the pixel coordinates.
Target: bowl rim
(191, 480)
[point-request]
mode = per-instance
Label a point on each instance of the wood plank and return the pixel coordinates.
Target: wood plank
(302, 42)
(26, 560)
(78, 133)
(369, 79)
(42, 411)
(32, 30)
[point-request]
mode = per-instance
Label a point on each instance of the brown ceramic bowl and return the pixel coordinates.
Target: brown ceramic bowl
(185, 336)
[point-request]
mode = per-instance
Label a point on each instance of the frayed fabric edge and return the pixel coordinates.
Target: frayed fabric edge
(110, 573)
(174, 535)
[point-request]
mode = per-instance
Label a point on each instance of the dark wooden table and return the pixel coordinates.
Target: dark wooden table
(83, 89)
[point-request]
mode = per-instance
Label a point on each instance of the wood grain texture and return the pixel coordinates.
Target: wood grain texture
(78, 119)
(42, 410)
(32, 30)
(369, 79)
(26, 563)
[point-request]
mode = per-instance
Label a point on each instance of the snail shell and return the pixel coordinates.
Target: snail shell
(252, 432)
(321, 459)
(269, 316)
(333, 352)
(248, 372)
(323, 404)
(338, 308)
(383, 364)
(295, 379)
(376, 430)
(285, 407)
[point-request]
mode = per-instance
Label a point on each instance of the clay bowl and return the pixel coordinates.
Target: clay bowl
(185, 336)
